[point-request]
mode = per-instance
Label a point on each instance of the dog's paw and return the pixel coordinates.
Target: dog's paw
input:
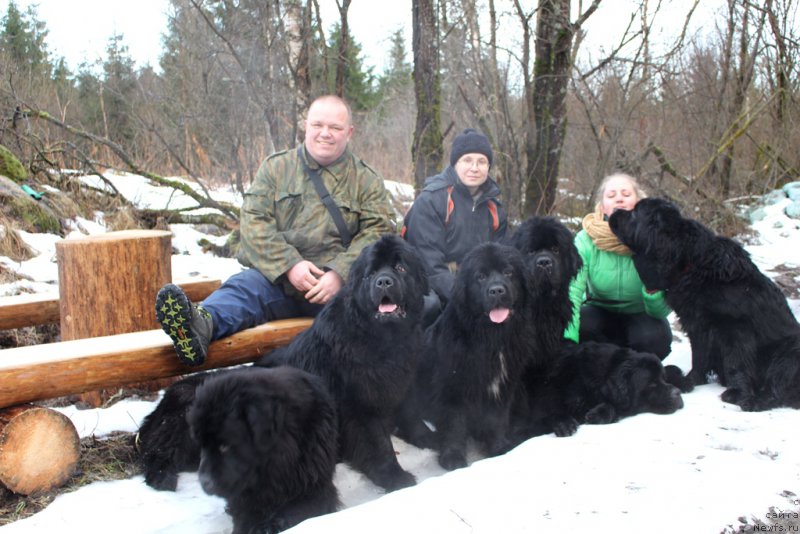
(565, 427)
(674, 376)
(732, 396)
(452, 459)
(162, 480)
(602, 414)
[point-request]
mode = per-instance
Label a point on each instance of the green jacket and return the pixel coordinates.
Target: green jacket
(609, 280)
(283, 220)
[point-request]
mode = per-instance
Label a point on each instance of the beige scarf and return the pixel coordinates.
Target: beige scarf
(601, 234)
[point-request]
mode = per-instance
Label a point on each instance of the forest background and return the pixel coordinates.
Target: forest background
(707, 119)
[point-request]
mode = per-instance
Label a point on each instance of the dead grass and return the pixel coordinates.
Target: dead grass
(29, 335)
(110, 458)
(788, 279)
(11, 244)
(123, 218)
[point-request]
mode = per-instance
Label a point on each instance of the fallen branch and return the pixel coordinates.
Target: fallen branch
(203, 201)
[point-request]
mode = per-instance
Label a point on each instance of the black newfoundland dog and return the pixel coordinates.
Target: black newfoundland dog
(364, 344)
(263, 439)
(553, 261)
(600, 383)
(475, 353)
(737, 320)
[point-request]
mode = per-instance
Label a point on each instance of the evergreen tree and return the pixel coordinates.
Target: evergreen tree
(22, 39)
(398, 73)
(88, 84)
(119, 90)
(359, 89)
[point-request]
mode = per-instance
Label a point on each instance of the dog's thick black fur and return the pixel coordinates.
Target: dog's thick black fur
(737, 320)
(553, 261)
(475, 353)
(164, 444)
(263, 439)
(365, 344)
(601, 383)
(267, 442)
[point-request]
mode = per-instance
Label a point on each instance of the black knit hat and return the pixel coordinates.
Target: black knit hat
(470, 142)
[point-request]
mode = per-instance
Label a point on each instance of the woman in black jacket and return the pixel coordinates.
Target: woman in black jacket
(456, 210)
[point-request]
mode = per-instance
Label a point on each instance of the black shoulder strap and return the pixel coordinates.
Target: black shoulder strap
(322, 191)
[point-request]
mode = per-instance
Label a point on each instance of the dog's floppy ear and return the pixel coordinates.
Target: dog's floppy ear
(264, 419)
(726, 260)
(358, 269)
(573, 259)
(416, 267)
(617, 389)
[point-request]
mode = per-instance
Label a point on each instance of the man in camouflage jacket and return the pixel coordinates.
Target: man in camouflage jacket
(290, 243)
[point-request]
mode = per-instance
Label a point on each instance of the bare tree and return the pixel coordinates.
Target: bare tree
(743, 38)
(427, 146)
(344, 43)
(546, 95)
(298, 30)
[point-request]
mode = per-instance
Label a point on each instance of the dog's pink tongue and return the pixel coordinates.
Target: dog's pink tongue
(498, 315)
(387, 308)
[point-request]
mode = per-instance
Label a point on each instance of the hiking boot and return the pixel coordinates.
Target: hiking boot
(188, 325)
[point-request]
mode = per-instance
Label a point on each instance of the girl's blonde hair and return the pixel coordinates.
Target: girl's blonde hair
(640, 193)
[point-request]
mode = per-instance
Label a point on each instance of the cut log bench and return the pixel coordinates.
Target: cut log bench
(39, 372)
(107, 288)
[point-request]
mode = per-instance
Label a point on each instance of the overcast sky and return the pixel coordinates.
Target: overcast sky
(79, 30)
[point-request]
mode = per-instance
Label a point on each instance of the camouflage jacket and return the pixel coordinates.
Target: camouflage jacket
(283, 220)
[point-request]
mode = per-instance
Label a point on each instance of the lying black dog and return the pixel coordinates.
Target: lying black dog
(364, 344)
(263, 439)
(601, 383)
(737, 320)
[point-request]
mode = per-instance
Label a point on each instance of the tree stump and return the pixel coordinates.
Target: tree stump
(108, 284)
(39, 449)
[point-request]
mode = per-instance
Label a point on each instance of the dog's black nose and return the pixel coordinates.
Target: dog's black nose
(497, 290)
(384, 282)
(544, 262)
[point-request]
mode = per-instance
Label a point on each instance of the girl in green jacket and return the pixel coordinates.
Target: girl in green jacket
(610, 303)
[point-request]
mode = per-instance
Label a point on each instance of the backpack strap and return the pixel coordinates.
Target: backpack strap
(490, 204)
(450, 205)
(495, 217)
(327, 200)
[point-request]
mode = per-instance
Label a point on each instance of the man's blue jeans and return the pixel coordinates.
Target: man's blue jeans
(247, 299)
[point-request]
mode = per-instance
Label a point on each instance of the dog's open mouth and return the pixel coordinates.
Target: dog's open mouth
(388, 308)
(499, 315)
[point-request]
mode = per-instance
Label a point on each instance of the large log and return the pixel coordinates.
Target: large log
(108, 282)
(57, 369)
(33, 309)
(39, 449)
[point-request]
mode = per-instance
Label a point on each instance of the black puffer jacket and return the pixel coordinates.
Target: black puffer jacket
(443, 237)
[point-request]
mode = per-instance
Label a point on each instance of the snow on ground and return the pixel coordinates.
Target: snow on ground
(697, 470)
